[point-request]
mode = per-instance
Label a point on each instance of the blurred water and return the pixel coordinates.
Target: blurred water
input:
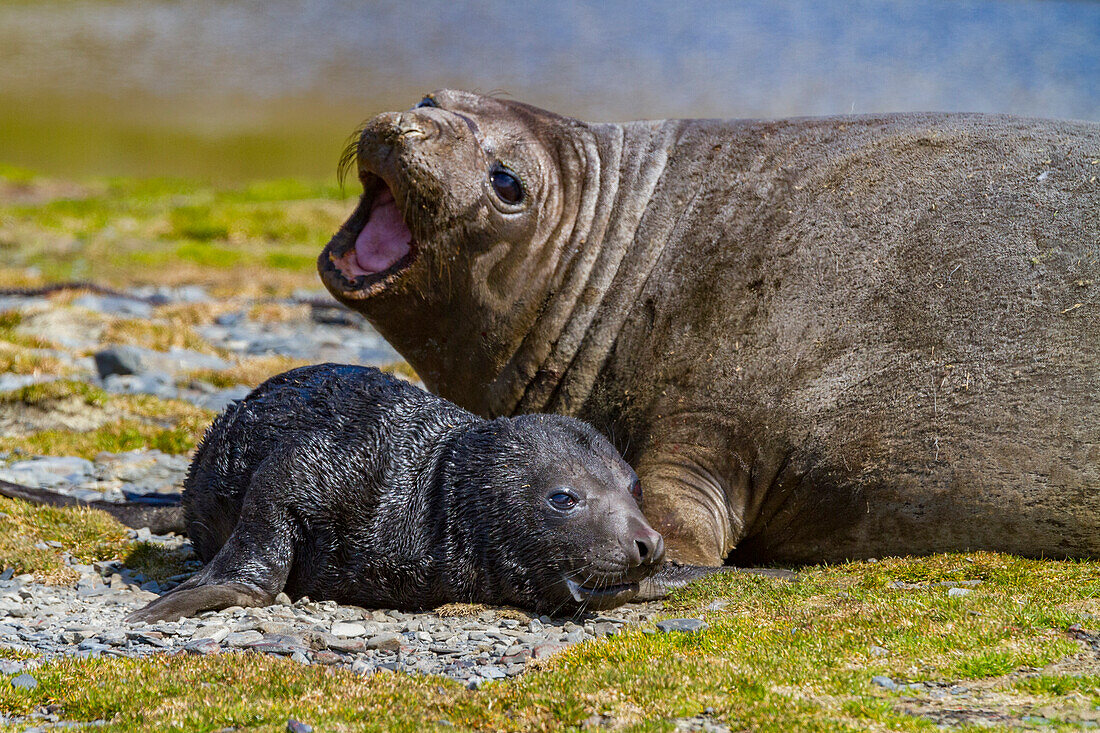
(210, 69)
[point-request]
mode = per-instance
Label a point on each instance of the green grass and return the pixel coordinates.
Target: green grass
(130, 421)
(776, 656)
(87, 534)
(260, 237)
(47, 392)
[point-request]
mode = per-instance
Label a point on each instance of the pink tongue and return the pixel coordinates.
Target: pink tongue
(385, 239)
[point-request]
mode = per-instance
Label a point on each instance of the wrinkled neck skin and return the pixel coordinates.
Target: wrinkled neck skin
(601, 273)
(560, 328)
(532, 343)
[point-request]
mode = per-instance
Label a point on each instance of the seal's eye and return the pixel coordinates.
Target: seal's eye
(563, 500)
(636, 490)
(427, 102)
(507, 186)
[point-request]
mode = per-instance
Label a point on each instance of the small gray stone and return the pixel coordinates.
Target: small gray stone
(386, 642)
(516, 655)
(548, 649)
(689, 625)
(878, 651)
(202, 647)
(113, 637)
(296, 726)
(605, 628)
(120, 359)
(10, 666)
(884, 682)
(282, 599)
(345, 629)
(347, 646)
(492, 672)
(958, 592)
(573, 637)
(24, 682)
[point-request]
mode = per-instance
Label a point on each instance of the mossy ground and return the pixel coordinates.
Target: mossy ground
(777, 655)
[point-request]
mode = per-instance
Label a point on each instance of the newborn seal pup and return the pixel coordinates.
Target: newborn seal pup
(817, 339)
(343, 483)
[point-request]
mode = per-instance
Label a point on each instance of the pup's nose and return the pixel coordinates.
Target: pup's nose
(649, 547)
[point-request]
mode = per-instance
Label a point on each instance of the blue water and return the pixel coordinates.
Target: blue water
(601, 60)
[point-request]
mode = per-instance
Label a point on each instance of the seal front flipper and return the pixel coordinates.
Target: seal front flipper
(673, 576)
(190, 601)
(252, 567)
(686, 501)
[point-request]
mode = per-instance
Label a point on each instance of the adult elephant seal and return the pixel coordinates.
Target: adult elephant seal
(343, 483)
(817, 339)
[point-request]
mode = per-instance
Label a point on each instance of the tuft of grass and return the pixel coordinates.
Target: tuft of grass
(115, 437)
(250, 371)
(158, 335)
(172, 426)
(278, 312)
(23, 360)
(255, 238)
(401, 369)
(154, 561)
(1060, 684)
(86, 534)
(191, 314)
(9, 322)
(44, 393)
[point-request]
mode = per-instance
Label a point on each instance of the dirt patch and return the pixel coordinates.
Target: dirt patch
(72, 328)
(39, 191)
(68, 413)
(1001, 701)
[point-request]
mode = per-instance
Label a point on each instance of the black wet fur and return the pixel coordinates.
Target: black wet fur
(344, 483)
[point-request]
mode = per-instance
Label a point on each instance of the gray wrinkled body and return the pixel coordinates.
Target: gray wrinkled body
(868, 329)
(816, 338)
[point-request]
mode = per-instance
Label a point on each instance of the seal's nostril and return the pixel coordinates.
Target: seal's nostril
(643, 549)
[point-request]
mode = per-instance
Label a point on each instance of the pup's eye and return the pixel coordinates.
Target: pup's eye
(506, 186)
(636, 490)
(562, 500)
(427, 102)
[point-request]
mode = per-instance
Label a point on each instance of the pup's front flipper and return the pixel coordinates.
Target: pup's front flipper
(251, 568)
(181, 601)
(673, 576)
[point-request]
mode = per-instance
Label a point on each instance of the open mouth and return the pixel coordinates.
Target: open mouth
(373, 247)
(602, 596)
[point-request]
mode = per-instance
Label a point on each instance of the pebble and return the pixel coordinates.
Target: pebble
(385, 642)
(689, 625)
(884, 682)
(342, 628)
(202, 647)
(958, 592)
(296, 726)
(24, 682)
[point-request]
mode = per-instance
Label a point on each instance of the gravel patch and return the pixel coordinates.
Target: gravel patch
(85, 619)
